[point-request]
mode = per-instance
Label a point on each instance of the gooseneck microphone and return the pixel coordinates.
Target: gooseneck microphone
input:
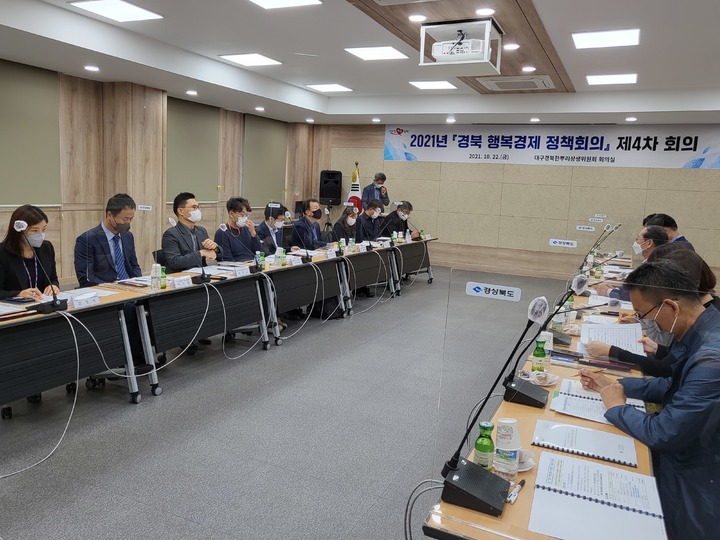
(467, 484)
(43, 307)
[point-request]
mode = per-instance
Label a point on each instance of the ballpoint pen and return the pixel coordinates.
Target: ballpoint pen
(593, 371)
(514, 493)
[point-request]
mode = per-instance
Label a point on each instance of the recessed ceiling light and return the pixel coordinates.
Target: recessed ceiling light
(275, 4)
(191, 92)
(627, 78)
(511, 46)
(376, 120)
(631, 119)
(92, 68)
(117, 10)
(260, 108)
(485, 12)
(433, 85)
(450, 120)
(310, 120)
(417, 18)
(528, 69)
(250, 60)
(610, 38)
(534, 119)
(329, 87)
(376, 53)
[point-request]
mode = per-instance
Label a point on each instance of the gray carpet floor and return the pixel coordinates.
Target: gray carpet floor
(321, 438)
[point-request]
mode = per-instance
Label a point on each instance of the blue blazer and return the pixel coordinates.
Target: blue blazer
(368, 194)
(237, 248)
(94, 260)
(684, 436)
(265, 235)
(302, 234)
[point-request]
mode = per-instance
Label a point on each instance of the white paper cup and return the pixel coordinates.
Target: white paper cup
(507, 434)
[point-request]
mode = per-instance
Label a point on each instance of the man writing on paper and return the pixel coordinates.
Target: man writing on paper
(685, 436)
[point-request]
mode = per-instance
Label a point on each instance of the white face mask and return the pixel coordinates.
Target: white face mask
(195, 215)
(376, 214)
(637, 248)
(351, 221)
(404, 217)
(279, 224)
(242, 221)
(36, 240)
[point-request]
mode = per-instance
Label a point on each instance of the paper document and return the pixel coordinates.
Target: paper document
(597, 300)
(599, 319)
(576, 499)
(625, 336)
(209, 270)
(7, 310)
(572, 399)
(585, 441)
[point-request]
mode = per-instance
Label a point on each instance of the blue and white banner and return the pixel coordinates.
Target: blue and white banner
(663, 147)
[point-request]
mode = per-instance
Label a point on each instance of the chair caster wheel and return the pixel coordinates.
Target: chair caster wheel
(229, 337)
(430, 280)
(278, 341)
(161, 360)
(205, 341)
(155, 389)
(266, 345)
(6, 413)
(191, 350)
(90, 384)
(135, 398)
(247, 333)
(35, 398)
(70, 388)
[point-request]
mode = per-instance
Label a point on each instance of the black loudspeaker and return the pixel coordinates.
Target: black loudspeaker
(472, 486)
(330, 187)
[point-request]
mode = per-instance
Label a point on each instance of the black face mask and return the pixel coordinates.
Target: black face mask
(317, 214)
(122, 228)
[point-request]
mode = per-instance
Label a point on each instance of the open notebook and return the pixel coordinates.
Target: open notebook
(576, 499)
(585, 441)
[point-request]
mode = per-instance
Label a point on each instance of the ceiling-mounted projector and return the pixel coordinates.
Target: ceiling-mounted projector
(459, 50)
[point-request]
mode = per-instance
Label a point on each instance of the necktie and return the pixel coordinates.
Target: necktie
(119, 262)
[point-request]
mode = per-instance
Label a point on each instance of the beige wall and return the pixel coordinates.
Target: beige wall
(519, 208)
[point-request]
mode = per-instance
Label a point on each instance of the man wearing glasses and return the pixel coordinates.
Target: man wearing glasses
(239, 240)
(684, 436)
(187, 244)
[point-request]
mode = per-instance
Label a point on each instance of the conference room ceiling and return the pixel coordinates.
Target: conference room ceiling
(676, 61)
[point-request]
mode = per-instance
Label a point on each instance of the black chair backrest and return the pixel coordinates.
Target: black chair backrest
(159, 257)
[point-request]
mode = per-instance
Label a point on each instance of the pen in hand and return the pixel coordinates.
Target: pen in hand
(593, 371)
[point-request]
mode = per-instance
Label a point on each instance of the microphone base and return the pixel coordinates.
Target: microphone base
(199, 280)
(255, 269)
(50, 307)
(306, 259)
(524, 393)
(474, 487)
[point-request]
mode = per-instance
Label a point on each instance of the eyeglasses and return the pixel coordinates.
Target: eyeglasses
(639, 317)
(243, 214)
(193, 207)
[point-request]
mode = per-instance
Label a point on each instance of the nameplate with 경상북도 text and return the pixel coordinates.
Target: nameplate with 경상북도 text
(554, 242)
(496, 292)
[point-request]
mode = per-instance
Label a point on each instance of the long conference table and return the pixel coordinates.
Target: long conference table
(39, 352)
(449, 522)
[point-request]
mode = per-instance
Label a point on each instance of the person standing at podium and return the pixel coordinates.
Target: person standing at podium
(376, 191)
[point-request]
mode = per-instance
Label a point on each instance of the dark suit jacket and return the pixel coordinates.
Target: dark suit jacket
(302, 235)
(95, 261)
(179, 249)
(265, 237)
(367, 228)
(368, 194)
(393, 223)
(14, 276)
(241, 248)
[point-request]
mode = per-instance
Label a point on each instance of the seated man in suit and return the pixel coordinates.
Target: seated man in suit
(306, 231)
(187, 245)
(376, 191)
(397, 221)
(106, 253)
(369, 224)
(270, 231)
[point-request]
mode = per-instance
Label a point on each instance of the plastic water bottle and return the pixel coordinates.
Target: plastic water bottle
(155, 277)
(408, 236)
(507, 449)
(352, 244)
